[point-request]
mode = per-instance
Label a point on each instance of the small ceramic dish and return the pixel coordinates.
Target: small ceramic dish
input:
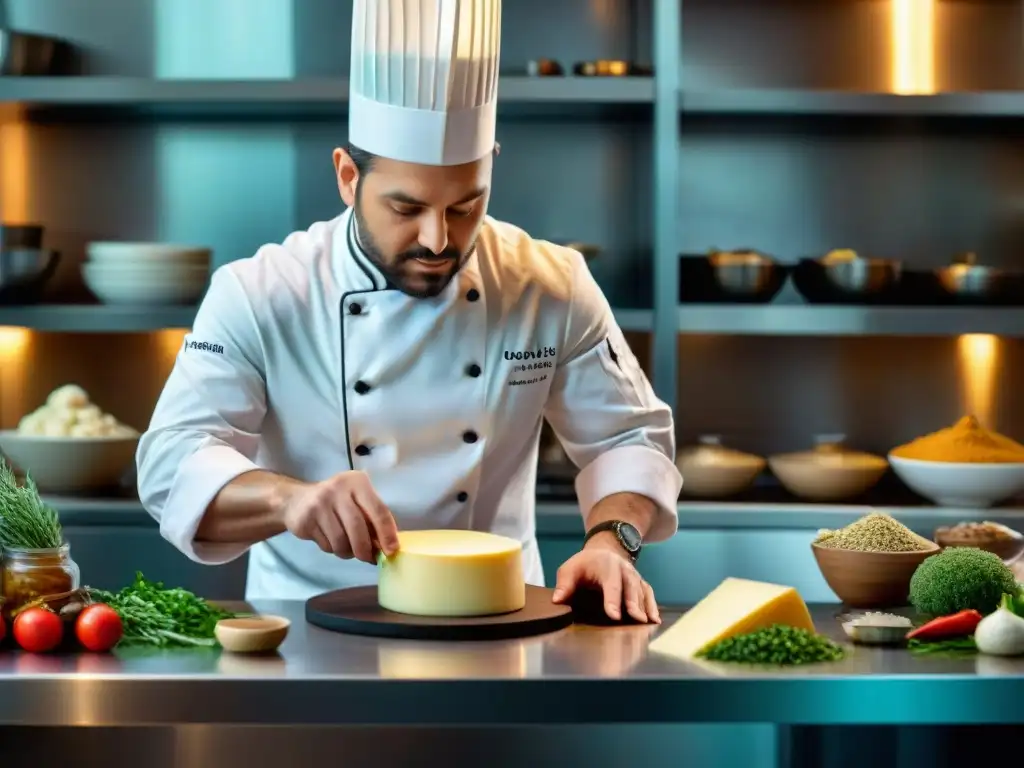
(252, 634)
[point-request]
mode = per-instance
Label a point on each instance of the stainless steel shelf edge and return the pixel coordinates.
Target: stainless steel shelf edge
(110, 318)
(823, 320)
(769, 101)
(563, 518)
(113, 91)
(99, 318)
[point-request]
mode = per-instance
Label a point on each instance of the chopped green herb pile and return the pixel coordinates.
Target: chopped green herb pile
(153, 615)
(26, 522)
(777, 644)
(959, 646)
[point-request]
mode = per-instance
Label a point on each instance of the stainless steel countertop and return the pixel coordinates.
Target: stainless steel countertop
(579, 675)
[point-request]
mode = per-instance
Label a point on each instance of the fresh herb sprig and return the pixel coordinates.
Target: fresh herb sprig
(157, 616)
(957, 646)
(26, 521)
(777, 644)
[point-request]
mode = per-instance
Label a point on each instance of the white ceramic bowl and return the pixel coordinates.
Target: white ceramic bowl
(143, 253)
(154, 286)
(967, 486)
(70, 464)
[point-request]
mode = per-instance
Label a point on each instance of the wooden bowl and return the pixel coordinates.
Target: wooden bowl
(870, 579)
(252, 634)
(1008, 550)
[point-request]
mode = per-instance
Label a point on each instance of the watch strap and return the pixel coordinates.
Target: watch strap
(614, 527)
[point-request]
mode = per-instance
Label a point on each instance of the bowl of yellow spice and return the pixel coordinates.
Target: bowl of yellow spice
(965, 465)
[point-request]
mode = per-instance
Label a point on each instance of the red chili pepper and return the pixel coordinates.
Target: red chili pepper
(956, 625)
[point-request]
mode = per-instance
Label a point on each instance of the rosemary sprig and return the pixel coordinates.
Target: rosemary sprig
(26, 521)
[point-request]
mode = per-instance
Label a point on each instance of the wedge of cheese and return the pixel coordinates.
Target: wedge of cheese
(734, 607)
(452, 573)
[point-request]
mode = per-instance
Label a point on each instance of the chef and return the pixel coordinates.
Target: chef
(390, 369)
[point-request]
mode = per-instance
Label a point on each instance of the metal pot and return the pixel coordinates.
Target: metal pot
(843, 276)
(740, 276)
(965, 279)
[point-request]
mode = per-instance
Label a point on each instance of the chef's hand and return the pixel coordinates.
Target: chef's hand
(343, 515)
(608, 568)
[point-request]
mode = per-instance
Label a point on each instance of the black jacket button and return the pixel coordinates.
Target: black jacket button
(473, 370)
(355, 308)
(361, 387)
(463, 496)
(469, 436)
(362, 450)
(472, 294)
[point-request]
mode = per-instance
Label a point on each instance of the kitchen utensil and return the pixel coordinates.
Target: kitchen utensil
(870, 579)
(966, 486)
(1008, 545)
(828, 472)
(28, 236)
(70, 464)
(844, 277)
(712, 471)
(26, 55)
(742, 276)
(252, 634)
(355, 610)
(24, 273)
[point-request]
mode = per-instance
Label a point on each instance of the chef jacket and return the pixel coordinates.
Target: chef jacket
(304, 361)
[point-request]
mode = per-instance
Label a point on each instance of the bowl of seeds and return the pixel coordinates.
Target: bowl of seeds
(869, 563)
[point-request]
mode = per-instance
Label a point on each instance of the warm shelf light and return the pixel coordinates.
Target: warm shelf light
(14, 192)
(912, 36)
(978, 355)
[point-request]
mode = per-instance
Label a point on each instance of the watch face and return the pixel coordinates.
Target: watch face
(630, 537)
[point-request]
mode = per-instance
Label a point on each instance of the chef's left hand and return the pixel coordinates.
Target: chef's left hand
(608, 569)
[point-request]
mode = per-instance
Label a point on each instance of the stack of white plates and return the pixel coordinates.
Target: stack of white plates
(146, 273)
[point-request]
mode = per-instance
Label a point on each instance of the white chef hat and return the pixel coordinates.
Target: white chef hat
(424, 80)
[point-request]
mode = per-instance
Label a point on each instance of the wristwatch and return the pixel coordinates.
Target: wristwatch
(629, 537)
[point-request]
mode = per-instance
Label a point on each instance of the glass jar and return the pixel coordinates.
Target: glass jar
(46, 575)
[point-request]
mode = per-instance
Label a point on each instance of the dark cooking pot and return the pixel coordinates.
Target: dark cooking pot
(740, 277)
(844, 277)
(24, 272)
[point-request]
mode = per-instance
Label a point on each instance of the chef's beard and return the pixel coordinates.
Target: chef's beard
(419, 285)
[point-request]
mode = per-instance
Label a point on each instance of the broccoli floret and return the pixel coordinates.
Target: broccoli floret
(960, 578)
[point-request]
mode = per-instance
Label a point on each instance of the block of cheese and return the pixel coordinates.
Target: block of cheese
(734, 607)
(452, 573)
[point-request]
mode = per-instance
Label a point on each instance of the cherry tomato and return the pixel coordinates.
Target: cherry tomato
(98, 628)
(38, 630)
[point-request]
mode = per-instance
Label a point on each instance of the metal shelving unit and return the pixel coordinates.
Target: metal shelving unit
(824, 320)
(100, 318)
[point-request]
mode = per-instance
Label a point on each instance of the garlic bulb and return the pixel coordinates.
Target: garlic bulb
(1001, 633)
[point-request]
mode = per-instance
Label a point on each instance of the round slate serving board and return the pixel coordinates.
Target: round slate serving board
(355, 611)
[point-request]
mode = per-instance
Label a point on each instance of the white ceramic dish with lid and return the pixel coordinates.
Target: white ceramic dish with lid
(711, 470)
(828, 472)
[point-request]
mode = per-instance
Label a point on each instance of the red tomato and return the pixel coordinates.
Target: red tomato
(3, 628)
(98, 628)
(38, 630)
